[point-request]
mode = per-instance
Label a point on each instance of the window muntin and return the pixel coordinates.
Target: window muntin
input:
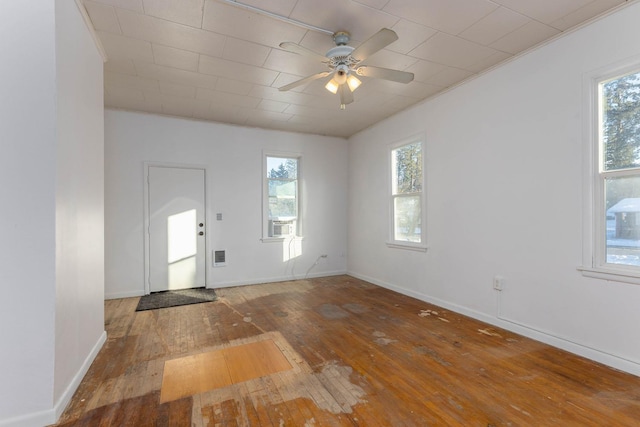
(282, 196)
(618, 189)
(406, 193)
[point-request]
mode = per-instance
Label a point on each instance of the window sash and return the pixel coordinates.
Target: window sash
(615, 249)
(407, 224)
(281, 200)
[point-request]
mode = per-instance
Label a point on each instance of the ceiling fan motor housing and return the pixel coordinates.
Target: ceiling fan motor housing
(341, 55)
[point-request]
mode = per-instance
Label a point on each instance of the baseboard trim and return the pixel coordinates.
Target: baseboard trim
(611, 360)
(64, 400)
(51, 416)
(233, 283)
(126, 294)
(36, 419)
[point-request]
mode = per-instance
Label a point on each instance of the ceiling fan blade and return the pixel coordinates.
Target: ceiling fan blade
(301, 50)
(384, 73)
(346, 97)
(377, 42)
(304, 81)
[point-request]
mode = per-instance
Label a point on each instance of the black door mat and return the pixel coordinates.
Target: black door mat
(176, 298)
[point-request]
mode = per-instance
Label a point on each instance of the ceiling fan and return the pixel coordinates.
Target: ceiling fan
(344, 62)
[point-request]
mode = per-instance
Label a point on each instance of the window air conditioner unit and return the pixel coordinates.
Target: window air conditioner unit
(280, 228)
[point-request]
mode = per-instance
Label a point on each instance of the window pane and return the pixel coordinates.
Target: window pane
(408, 169)
(279, 167)
(407, 219)
(282, 199)
(623, 220)
(620, 105)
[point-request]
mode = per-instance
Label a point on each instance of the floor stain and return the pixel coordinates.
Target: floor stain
(331, 311)
(431, 353)
(355, 308)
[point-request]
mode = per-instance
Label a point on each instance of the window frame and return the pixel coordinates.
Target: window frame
(594, 262)
(403, 244)
(297, 234)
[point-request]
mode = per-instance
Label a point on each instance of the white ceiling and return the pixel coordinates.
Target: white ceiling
(216, 60)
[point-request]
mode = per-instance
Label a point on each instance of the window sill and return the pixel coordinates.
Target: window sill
(280, 239)
(408, 246)
(610, 274)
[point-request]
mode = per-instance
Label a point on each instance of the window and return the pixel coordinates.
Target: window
(281, 196)
(616, 189)
(619, 169)
(406, 196)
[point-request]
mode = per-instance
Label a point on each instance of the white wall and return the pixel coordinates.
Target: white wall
(79, 202)
(27, 214)
(504, 192)
(51, 208)
(233, 158)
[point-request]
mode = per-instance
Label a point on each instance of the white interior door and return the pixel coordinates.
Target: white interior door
(177, 253)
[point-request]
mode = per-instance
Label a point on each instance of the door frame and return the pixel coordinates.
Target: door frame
(147, 221)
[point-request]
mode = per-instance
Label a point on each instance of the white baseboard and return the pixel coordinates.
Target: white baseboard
(233, 283)
(125, 294)
(612, 360)
(36, 419)
(51, 416)
(64, 400)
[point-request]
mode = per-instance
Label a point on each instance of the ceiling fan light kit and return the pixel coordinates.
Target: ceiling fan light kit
(344, 60)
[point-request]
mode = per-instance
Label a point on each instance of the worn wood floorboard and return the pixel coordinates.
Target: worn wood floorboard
(360, 355)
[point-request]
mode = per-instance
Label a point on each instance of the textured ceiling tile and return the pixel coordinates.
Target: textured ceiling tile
(237, 100)
(135, 5)
(175, 75)
(249, 26)
(276, 106)
(163, 62)
(376, 4)
(234, 70)
(489, 62)
(130, 82)
(233, 86)
(450, 16)
(452, 51)
(497, 24)
(339, 15)
(292, 63)
(524, 37)
(103, 17)
(448, 77)
(188, 12)
(410, 36)
(122, 66)
(176, 58)
(422, 70)
(119, 47)
(245, 52)
(170, 33)
(585, 13)
(388, 59)
(173, 89)
(545, 11)
(279, 7)
(176, 106)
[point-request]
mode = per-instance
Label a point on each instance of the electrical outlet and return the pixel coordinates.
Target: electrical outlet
(498, 283)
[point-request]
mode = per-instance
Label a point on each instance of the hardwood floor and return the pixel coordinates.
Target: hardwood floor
(360, 355)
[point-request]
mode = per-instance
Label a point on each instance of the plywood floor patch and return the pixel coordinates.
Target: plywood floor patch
(202, 372)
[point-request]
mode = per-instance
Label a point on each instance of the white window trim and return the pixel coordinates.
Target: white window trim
(400, 244)
(594, 236)
(265, 198)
